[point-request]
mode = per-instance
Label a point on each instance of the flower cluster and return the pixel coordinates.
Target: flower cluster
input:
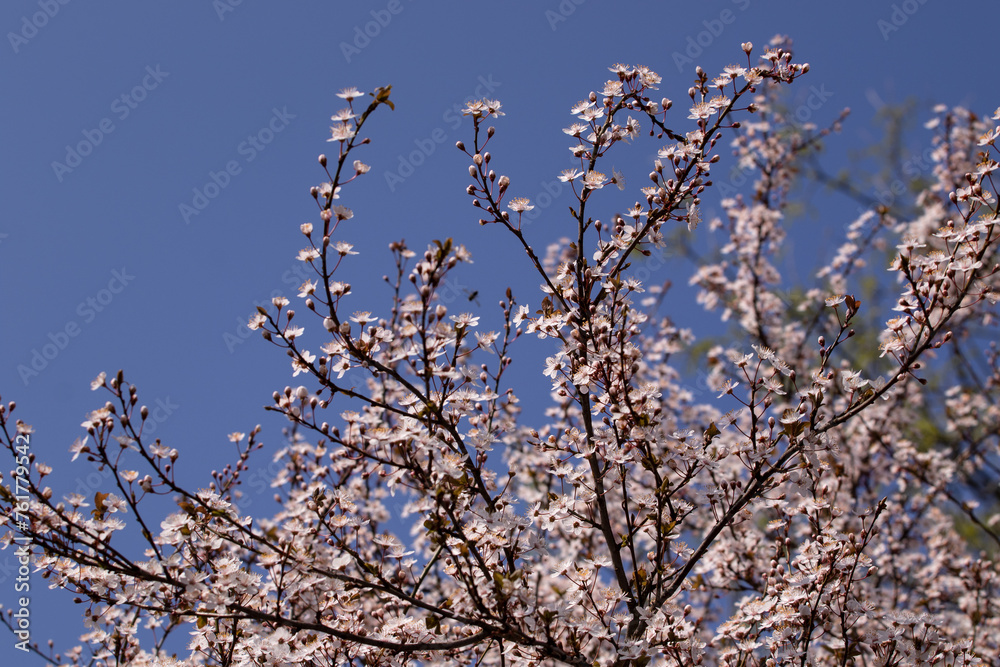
(809, 502)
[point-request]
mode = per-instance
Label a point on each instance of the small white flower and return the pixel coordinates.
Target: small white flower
(694, 217)
(520, 205)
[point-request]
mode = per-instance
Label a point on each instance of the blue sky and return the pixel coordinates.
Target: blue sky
(158, 158)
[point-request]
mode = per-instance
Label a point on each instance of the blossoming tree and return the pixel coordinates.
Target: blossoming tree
(804, 516)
